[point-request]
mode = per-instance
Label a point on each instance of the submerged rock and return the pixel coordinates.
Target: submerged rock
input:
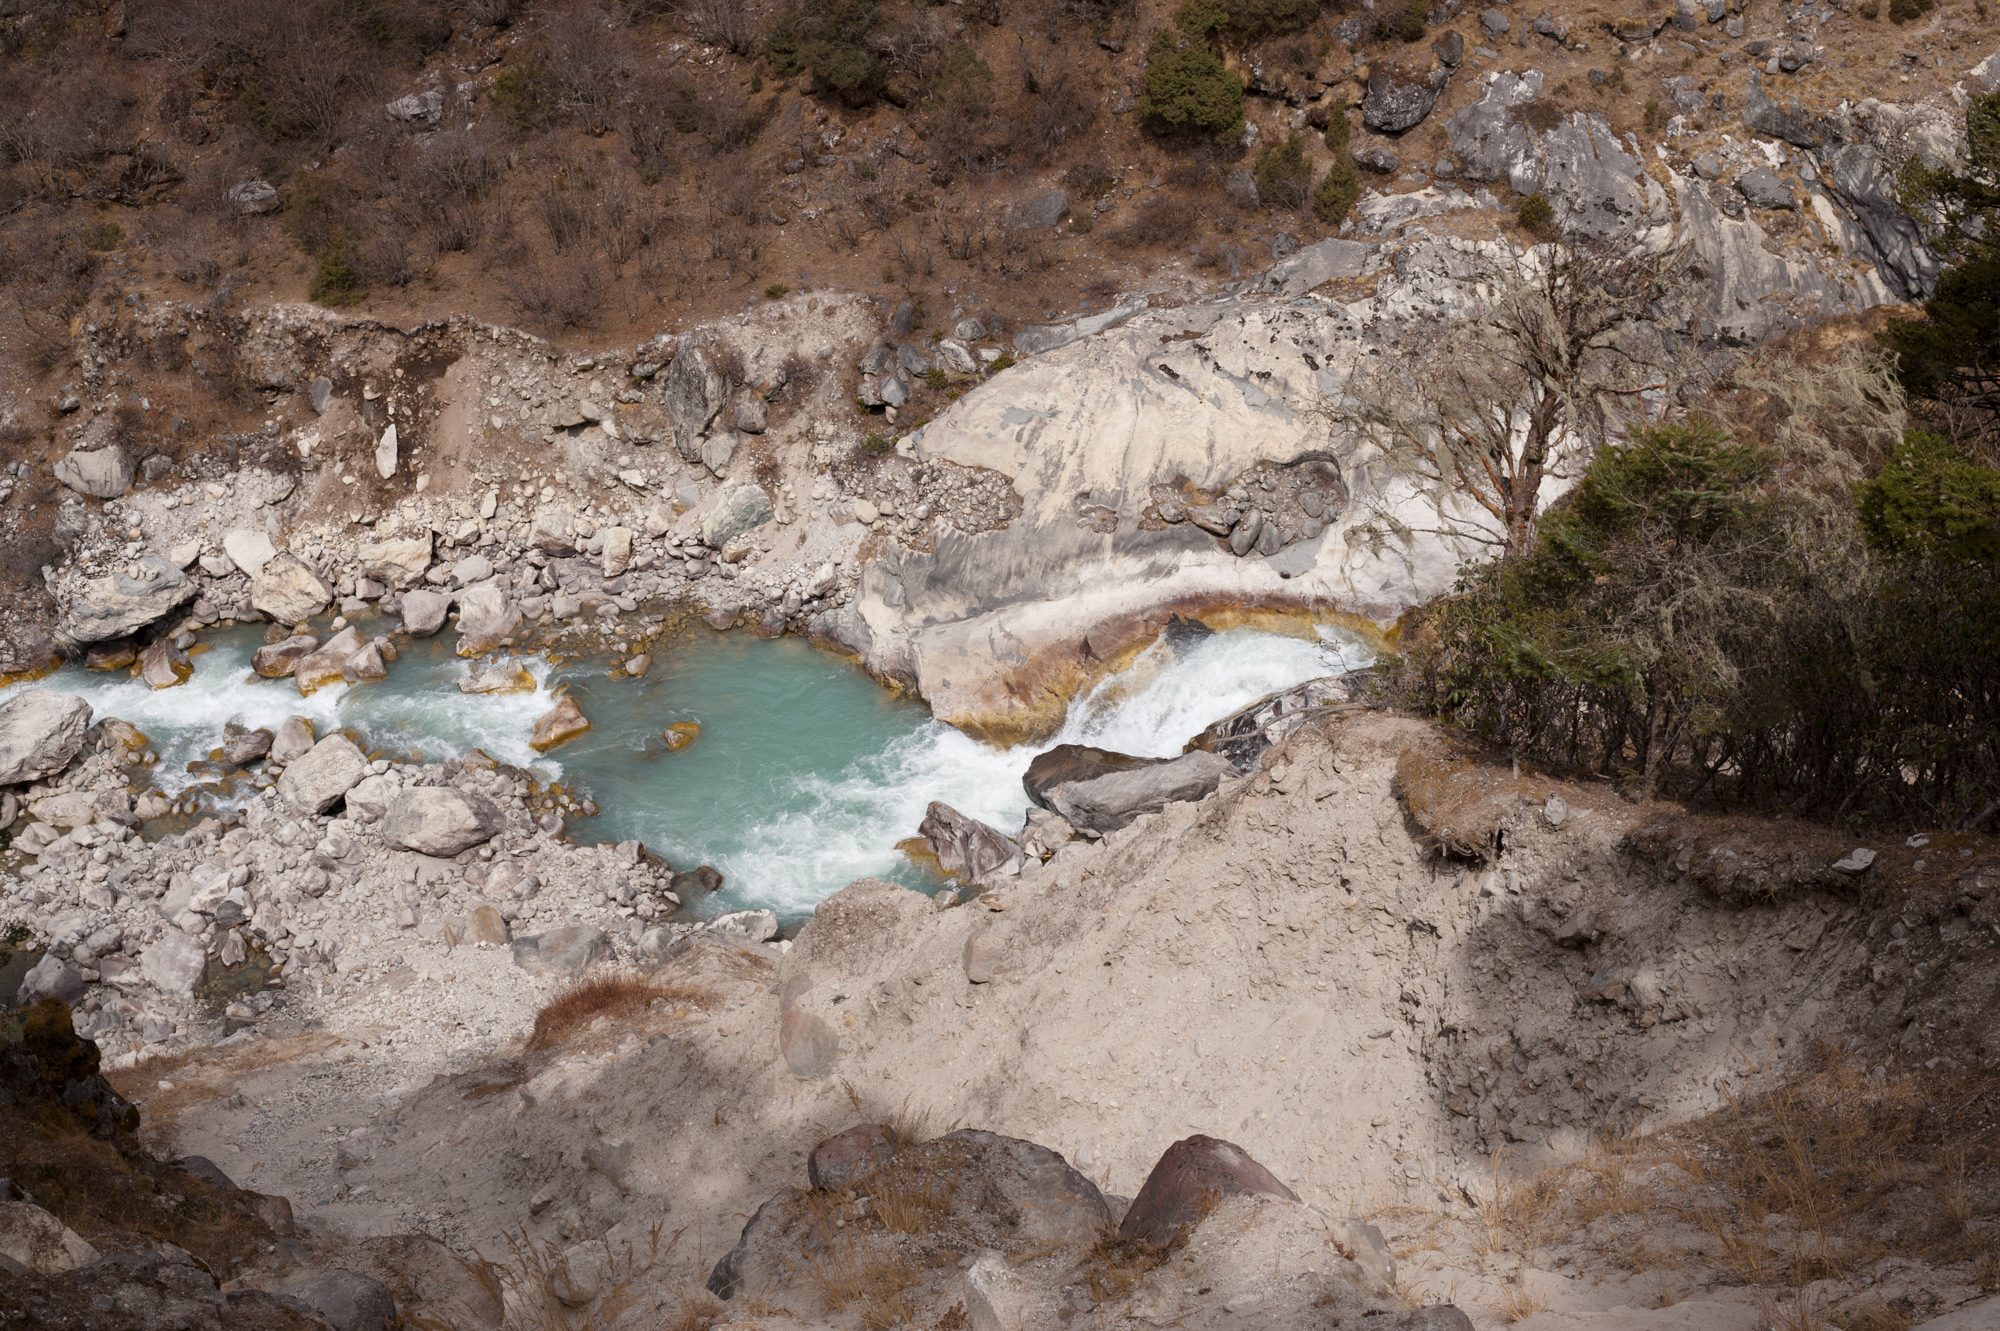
(681, 734)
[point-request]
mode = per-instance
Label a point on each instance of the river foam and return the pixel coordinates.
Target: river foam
(805, 777)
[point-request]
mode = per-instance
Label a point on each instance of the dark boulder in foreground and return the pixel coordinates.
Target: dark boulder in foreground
(1194, 1174)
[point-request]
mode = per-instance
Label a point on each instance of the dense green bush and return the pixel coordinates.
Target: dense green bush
(1537, 217)
(831, 42)
(1283, 174)
(1188, 89)
(335, 280)
(1333, 198)
(1698, 614)
(1337, 133)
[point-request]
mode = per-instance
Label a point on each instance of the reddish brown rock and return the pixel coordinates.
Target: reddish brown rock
(846, 1158)
(1194, 1174)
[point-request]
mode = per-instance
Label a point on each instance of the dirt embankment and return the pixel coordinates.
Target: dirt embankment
(1564, 1073)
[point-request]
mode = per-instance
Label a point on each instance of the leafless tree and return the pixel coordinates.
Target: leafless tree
(1575, 339)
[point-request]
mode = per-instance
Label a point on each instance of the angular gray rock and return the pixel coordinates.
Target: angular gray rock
(1761, 187)
(348, 1300)
(101, 473)
(1122, 787)
(124, 602)
(293, 741)
(740, 508)
(695, 388)
(750, 926)
(568, 949)
(322, 777)
(1396, 101)
(173, 963)
(965, 847)
(40, 733)
(1793, 124)
(440, 821)
(287, 591)
(51, 977)
(424, 612)
(1859, 178)
(487, 618)
(1489, 142)
(1043, 211)
(253, 198)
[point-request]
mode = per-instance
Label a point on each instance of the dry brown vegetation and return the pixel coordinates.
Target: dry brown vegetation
(621, 997)
(1465, 806)
(1819, 1179)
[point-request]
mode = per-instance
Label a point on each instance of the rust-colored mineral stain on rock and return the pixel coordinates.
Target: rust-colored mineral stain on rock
(562, 723)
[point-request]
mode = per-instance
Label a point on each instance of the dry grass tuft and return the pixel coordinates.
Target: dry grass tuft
(875, 1284)
(1821, 1178)
(545, 1293)
(907, 1201)
(580, 1004)
(1844, 1166)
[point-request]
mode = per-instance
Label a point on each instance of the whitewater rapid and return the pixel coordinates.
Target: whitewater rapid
(806, 775)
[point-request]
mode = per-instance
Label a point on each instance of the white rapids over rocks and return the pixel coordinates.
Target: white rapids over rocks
(789, 803)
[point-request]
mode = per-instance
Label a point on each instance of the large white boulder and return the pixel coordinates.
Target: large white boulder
(324, 775)
(437, 820)
(40, 733)
(288, 591)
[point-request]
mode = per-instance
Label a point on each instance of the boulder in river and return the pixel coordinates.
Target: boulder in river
(1100, 792)
(497, 677)
(242, 745)
(277, 660)
(562, 723)
(965, 847)
(287, 591)
(681, 734)
(321, 778)
(324, 665)
(163, 665)
(40, 733)
(293, 741)
(437, 820)
(119, 604)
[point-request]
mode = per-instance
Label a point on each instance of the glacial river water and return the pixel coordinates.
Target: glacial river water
(805, 774)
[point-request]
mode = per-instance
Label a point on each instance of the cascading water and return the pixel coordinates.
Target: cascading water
(805, 775)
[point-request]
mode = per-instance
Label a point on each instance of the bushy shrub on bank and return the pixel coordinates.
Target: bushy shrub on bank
(1707, 617)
